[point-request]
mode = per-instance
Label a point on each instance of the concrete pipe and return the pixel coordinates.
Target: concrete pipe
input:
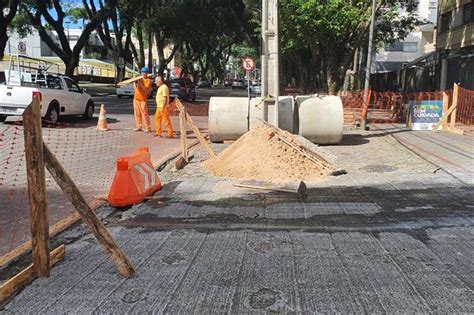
(265, 111)
(296, 117)
(322, 119)
(228, 118)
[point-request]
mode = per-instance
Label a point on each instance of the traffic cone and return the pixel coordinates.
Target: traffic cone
(102, 123)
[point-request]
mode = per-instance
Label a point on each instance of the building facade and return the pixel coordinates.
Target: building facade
(415, 45)
(455, 43)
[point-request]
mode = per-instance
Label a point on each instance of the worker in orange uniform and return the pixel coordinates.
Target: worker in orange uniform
(163, 108)
(140, 108)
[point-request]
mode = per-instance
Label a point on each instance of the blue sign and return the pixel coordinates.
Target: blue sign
(425, 115)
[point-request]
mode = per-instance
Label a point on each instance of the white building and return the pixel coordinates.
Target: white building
(415, 45)
(33, 46)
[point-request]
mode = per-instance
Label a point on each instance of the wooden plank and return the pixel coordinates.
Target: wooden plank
(13, 285)
(452, 124)
(182, 135)
(444, 118)
(128, 81)
(66, 184)
(36, 187)
(444, 125)
(301, 189)
(195, 129)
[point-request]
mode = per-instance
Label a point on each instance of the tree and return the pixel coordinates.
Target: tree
(42, 9)
(120, 14)
(325, 33)
(9, 9)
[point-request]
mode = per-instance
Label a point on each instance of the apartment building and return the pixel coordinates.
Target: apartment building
(416, 45)
(455, 43)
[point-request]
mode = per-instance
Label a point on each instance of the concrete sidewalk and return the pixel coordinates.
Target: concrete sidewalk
(393, 235)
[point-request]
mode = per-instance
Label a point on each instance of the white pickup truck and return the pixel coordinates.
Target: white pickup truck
(60, 96)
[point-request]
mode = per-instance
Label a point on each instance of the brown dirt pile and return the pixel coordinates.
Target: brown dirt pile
(261, 154)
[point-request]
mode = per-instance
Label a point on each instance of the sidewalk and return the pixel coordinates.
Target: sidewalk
(393, 235)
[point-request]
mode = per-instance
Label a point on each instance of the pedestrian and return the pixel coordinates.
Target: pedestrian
(163, 108)
(140, 108)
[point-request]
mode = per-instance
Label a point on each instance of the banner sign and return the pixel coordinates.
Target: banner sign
(425, 114)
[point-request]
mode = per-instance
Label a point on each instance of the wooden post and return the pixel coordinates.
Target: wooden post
(195, 129)
(36, 188)
(182, 133)
(445, 110)
(61, 177)
(452, 123)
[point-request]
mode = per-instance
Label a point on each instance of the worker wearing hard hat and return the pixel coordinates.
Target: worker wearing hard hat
(163, 108)
(140, 108)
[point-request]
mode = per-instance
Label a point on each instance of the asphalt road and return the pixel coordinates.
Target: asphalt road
(116, 105)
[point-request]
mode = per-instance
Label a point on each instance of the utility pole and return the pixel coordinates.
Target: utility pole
(369, 62)
(270, 55)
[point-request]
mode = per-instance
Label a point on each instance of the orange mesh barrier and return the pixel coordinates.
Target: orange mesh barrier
(465, 108)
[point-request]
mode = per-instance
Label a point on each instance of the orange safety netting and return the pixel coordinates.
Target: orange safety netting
(89, 157)
(391, 107)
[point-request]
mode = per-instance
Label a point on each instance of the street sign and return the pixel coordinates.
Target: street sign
(248, 64)
(21, 48)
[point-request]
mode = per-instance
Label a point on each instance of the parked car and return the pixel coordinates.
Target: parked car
(239, 84)
(60, 96)
(228, 82)
(182, 88)
(128, 90)
(203, 83)
(256, 89)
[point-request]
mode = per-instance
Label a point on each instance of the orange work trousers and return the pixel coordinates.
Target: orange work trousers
(163, 114)
(140, 110)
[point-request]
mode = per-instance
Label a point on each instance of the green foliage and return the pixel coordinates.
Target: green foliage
(325, 33)
(21, 24)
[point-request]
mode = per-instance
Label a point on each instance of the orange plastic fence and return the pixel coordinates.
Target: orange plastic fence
(465, 109)
(393, 106)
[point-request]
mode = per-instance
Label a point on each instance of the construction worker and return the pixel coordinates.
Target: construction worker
(163, 108)
(140, 108)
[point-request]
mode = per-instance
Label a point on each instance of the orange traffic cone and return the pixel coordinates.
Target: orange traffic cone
(102, 123)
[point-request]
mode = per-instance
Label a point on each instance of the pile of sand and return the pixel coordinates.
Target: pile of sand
(261, 154)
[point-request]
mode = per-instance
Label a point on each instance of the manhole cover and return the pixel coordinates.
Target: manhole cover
(263, 298)
(378, 168)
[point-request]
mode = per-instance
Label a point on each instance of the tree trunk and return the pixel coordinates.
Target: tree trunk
(71, 65)
(3, 40)
(150, 52)
(141, 49)
(333, 80)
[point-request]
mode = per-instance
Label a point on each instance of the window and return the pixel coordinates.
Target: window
(468, 13)
(395, 47)
(410, 47)
(54, 82)
(446, 21)
(72, 86)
